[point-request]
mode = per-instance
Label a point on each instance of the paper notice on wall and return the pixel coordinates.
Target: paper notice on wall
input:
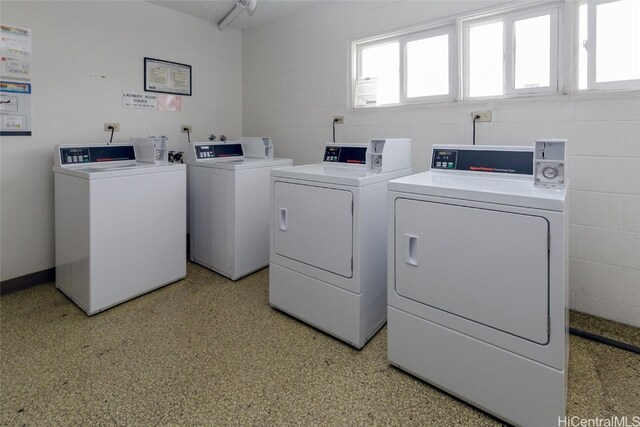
(15, 52)
(144, 101)
(15, 108)
(169, 102)
(366, 91)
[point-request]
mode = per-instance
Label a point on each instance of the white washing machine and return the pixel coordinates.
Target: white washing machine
(477, 282)
(229, 205)
(328, 241)
(120, 225)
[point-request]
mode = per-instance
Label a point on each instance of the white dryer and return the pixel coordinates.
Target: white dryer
(328, 242)
(477, 282)
(120, 225)
(229, 205)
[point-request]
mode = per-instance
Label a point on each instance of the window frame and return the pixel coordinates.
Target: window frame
(592, 54)
(404, 37)
(564, 63)
(508, 18)
(554, 52)
(452, 66)
(465, 29)
(361, 47)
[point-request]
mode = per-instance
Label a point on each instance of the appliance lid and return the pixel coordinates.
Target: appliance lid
(241, 163)
(95, 172)
(330, 174)
(491, 189)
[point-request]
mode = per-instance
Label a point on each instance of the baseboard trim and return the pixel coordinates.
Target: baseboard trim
(28, 281)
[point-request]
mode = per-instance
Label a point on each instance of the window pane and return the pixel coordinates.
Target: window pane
(383, 61)
(428, 67)
(618, 41)
(532, 52)
(486, 53)
(583, 35)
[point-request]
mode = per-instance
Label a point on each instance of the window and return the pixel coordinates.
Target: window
(406, 68)
(511, 54)
(382, 62)
(501, 53)
(486, 53)
(532, 52)
(609, 44)
(428, 67)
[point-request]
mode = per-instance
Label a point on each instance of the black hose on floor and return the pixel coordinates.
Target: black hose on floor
(604, 340)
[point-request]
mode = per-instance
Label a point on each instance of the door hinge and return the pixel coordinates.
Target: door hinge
(548, 326)
(351, 263)
(548, 241)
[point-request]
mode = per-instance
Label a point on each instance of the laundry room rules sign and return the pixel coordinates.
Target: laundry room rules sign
(140, 100)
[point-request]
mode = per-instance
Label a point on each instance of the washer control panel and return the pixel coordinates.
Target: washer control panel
(214, 151)
(71, 155)
(74, 155)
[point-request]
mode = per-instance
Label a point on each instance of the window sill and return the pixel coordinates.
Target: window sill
(593, 94)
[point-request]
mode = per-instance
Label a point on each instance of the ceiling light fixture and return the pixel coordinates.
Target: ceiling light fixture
(248, 5)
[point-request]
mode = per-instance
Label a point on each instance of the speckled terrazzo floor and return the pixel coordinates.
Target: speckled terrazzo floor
(207, 351)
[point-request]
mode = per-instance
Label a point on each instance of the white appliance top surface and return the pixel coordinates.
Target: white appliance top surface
(500, 190)
(355, 176)
(240, 163)
(97, 172)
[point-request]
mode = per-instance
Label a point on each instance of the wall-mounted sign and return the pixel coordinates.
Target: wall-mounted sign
(167, 77)
(15, 96)
(15, 108)
(146, 101)
(168, 102)
(15, 52)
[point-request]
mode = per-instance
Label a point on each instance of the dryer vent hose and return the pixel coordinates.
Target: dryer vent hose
(604, 340)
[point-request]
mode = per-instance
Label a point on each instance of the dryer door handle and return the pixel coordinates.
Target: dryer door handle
(283, 219)
(411, 249)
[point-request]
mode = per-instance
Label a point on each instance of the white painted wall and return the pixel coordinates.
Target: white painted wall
(295, 76)
(73, 41)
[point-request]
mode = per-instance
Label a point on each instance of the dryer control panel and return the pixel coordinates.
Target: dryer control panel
(485, 159)
(444, 159)
(354, 154)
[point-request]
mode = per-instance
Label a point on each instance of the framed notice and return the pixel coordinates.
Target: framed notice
(167, 77)
(15, 53)
(15, 108)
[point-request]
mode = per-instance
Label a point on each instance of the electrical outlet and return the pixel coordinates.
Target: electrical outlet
(185, 128)
(108, 126)
(339, 120)
(485, 116)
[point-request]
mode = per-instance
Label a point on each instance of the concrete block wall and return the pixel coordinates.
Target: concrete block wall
(295, 79)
